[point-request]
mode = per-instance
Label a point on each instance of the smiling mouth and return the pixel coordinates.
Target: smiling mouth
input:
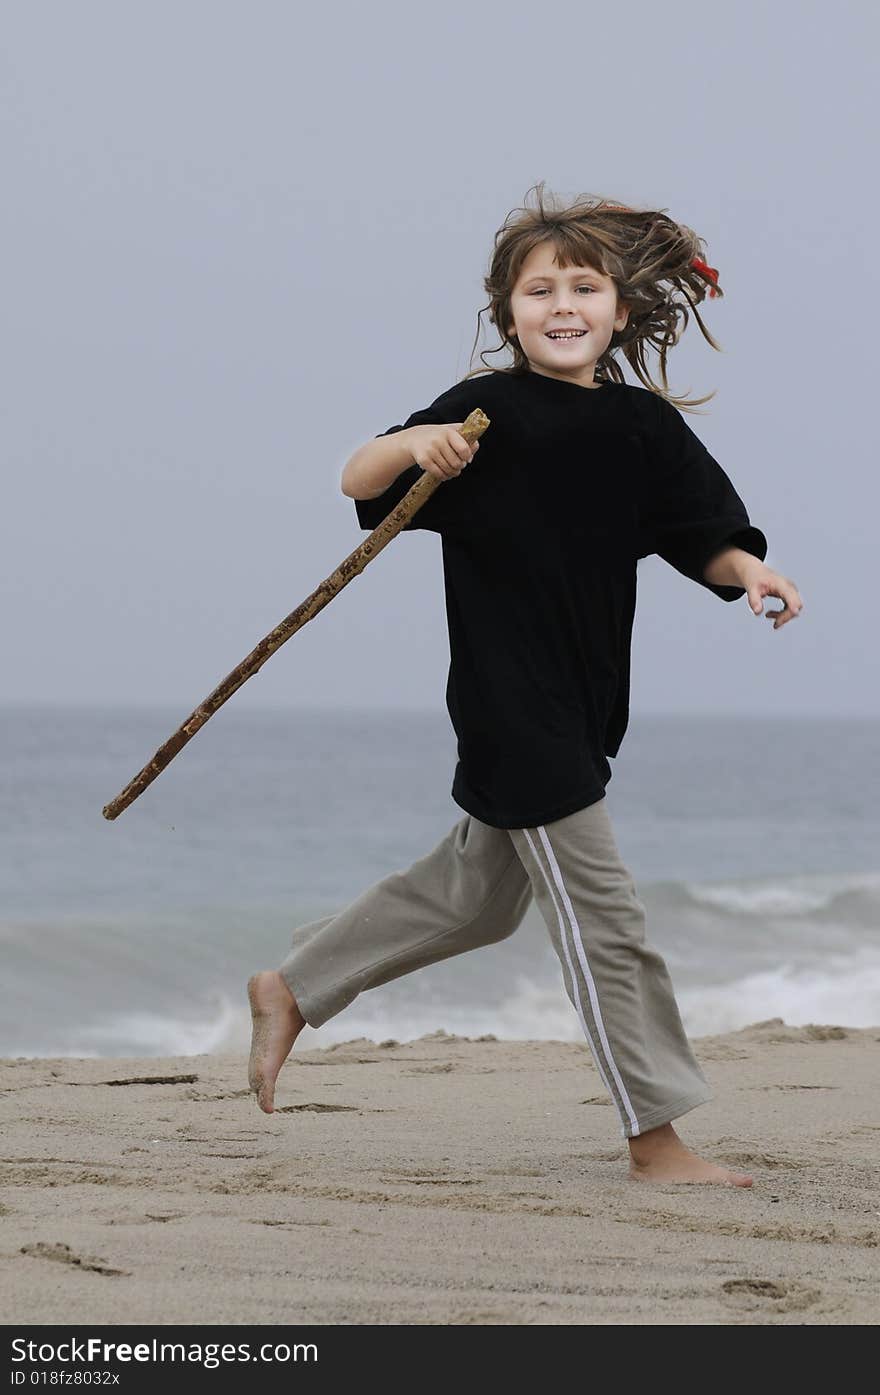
(566, 338)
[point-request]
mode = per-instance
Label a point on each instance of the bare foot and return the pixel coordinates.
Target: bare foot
(277, 1022)
(660, 1156)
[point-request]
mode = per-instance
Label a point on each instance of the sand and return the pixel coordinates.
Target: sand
(446, 1180)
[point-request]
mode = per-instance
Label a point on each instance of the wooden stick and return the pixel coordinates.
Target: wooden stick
(353, 565)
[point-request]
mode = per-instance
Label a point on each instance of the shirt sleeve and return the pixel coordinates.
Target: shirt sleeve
(444, 512)
(689, 509)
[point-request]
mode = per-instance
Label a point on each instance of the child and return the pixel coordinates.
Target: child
(577, 476)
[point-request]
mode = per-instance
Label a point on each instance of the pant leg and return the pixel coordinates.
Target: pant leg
(471, 890)
(619, 986)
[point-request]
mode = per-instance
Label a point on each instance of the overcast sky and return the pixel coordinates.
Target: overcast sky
(241, 239)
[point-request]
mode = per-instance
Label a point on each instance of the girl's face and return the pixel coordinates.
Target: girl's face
(579, 299)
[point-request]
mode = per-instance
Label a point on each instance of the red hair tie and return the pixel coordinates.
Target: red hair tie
(708, 271)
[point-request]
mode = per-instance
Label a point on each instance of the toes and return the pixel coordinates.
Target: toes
(262, 1090)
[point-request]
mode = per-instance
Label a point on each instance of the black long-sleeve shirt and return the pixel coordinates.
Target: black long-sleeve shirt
(541, 533)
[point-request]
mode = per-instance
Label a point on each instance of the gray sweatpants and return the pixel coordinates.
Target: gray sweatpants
(474, 889)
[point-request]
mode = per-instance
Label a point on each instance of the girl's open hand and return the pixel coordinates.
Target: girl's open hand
(762, 581)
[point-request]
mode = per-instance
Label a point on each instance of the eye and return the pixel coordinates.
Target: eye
(541, 289)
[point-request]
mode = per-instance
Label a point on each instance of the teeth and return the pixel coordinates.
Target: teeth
(569, 334)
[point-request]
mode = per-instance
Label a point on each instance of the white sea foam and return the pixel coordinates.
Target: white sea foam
(142, 1034)
(845, 991)
(150, 1034)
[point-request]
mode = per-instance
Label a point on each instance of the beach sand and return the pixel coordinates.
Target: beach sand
(447, 1180)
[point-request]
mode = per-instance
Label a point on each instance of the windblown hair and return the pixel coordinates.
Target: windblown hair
(649, 256)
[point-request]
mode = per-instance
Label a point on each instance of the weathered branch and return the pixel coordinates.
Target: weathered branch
(353, 565)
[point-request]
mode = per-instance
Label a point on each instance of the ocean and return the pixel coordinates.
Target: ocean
(754, 845)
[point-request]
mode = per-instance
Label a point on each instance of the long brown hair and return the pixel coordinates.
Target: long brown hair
(656, 264)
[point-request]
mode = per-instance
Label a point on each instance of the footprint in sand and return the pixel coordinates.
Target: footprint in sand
(782, 1295)
(148, 1080)
(322, 1108)
(63, 1254)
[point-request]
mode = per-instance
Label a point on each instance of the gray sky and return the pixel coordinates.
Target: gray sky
(241, 239)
